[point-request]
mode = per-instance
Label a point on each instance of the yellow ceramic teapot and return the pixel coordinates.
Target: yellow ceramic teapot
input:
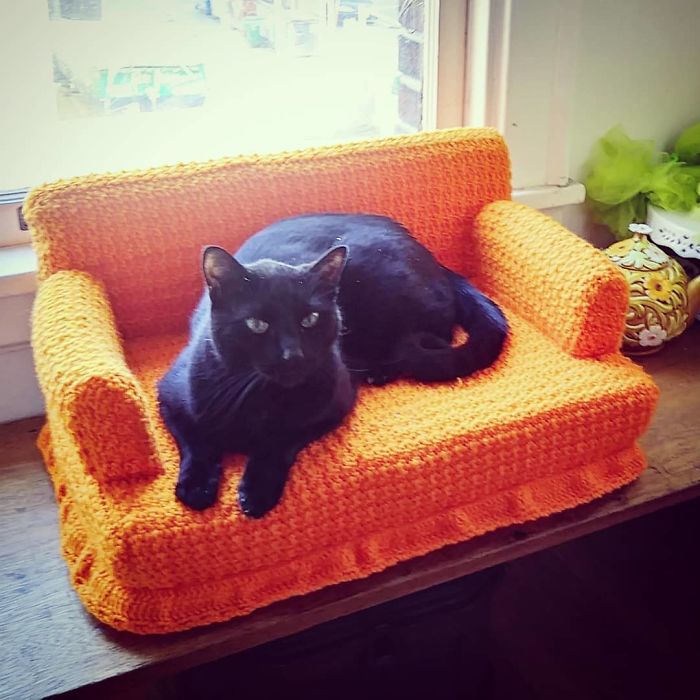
(662, 301)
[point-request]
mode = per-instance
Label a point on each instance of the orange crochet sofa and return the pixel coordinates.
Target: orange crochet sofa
(552, 424)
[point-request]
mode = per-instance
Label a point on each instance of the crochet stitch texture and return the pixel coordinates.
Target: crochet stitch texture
(552, 424)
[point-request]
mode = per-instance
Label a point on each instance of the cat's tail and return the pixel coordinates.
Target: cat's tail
(429, 358)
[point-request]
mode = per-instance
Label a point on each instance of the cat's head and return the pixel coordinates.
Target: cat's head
(282, 320)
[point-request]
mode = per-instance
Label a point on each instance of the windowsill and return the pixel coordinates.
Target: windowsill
(551, 196)
(18, 262)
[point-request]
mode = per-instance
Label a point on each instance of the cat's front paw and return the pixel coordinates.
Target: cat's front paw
(260, 490)
(197, 496)
(256, 501)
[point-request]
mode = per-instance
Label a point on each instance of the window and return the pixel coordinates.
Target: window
(97, 85)
(101, 85)
(104, 85)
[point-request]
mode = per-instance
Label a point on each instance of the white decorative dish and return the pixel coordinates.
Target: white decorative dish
(676, 230)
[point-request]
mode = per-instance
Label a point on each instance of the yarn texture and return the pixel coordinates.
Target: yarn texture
(552, 424)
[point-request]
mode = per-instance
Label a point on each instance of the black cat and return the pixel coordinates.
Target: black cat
(309, 307)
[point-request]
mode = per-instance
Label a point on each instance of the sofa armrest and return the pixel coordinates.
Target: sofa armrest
(551, 277)
(87, 384)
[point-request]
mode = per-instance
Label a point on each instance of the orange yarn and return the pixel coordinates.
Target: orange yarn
(413, 468)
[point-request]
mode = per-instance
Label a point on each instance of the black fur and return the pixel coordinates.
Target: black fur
(269, 393)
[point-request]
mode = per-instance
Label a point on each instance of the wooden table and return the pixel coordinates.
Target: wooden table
(48, 644)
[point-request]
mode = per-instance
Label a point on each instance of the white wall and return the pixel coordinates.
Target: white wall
(591, 64)
(638, 65)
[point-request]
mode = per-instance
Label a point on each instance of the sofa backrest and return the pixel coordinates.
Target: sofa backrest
(141, 233)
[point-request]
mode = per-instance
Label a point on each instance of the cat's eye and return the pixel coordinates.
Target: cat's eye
(311, 320)
(257, 325)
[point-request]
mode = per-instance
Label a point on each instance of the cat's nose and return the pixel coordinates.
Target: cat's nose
(292, 353)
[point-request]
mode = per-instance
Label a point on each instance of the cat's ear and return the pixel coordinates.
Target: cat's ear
(329, 267)
(222, 272)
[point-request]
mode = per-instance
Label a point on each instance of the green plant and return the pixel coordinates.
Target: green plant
(625, 174)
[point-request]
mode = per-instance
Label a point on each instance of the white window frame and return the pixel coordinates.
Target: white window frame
(539, 91)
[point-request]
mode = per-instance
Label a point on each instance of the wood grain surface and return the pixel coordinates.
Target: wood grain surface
(49, 644)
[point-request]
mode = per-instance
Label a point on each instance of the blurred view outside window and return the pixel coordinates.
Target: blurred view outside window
(96, 85)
